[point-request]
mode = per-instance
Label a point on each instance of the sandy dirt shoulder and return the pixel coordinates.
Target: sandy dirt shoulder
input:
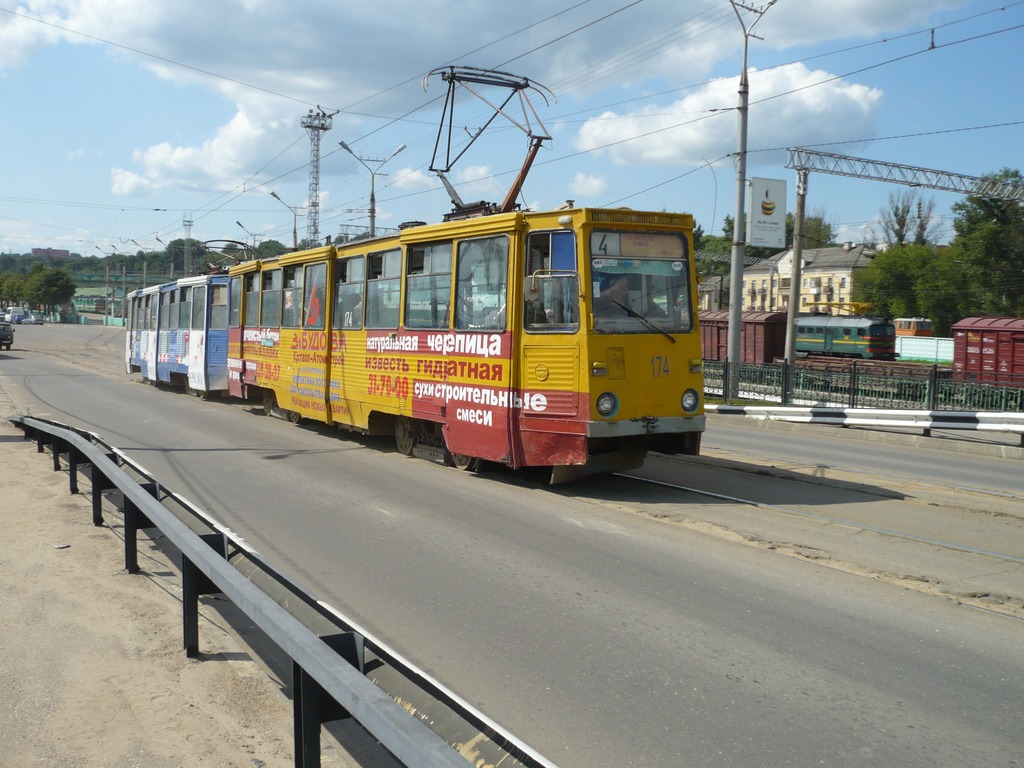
(93, 670)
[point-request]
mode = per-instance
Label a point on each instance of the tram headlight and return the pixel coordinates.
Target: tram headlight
(607, 404)
(690, 400)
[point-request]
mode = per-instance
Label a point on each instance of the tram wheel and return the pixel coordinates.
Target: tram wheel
(405, 435)
(294, 416)
(463, 462)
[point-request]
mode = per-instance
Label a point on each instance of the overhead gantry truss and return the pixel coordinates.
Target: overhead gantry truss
(908, 175)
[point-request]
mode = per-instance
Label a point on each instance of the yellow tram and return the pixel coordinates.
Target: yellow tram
(564, 338)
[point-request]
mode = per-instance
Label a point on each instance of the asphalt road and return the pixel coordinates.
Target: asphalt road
(583, 621)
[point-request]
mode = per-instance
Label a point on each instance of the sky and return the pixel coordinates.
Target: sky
(126, 124)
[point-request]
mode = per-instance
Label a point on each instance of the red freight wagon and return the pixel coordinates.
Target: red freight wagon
(762, 336)
(989, 349)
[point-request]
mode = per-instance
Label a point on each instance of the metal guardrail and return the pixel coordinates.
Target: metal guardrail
(881, 417)
(338, 669)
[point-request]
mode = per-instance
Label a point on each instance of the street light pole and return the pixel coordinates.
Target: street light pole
(739, 223)
(250, 234)
(374, 173)
(295, 219)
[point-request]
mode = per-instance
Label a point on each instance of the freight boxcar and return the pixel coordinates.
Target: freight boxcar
(989, 349)
(762, 335)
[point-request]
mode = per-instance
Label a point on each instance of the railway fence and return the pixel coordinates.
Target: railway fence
(339, 670)
(861, 385)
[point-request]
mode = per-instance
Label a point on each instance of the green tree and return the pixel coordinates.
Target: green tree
(980, 273)
(12, 288)
(48, 287)
(892, 282)
(989, 247)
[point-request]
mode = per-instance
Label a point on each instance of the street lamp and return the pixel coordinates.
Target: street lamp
(374, 173)
(250, 234)
(295, 219)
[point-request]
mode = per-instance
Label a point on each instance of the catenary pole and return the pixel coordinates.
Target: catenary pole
(739, 223)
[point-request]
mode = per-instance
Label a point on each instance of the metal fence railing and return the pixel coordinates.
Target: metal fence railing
(853, 387)
(339, 670)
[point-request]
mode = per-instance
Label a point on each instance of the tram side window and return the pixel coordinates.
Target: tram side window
(218, 307)
(552, 283)
(383, 289)
(428, 285)
(252, 299)
(168, 311)
(148, 312)
(184, 308)
(291, 313)
(348, 293)
(234, 305)
(270, 299)
(482, 285)
(199, 308)
(314, 297)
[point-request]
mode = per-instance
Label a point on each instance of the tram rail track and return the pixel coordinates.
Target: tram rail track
(973, 572)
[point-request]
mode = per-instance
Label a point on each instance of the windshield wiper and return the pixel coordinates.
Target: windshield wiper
(632, 313)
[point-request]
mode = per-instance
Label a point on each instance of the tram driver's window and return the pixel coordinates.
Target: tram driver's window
(482, 284)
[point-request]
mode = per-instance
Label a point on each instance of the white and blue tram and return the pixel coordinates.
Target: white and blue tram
(178, 334)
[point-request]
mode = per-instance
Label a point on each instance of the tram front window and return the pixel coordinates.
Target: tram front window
(639, 283)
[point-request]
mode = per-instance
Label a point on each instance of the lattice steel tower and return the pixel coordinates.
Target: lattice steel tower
(315, 123)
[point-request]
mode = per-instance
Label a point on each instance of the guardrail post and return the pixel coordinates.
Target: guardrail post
(852, 383)
(73, 456)
(193, 584)
(100, 483)
(134, 520)
(313, 706)
(58, 447)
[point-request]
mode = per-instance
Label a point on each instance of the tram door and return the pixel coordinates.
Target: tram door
(549, 368)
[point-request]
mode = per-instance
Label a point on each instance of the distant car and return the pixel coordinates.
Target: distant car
(6, 335)
(34, 320)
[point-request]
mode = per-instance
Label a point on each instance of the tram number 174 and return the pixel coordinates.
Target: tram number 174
(659, 366)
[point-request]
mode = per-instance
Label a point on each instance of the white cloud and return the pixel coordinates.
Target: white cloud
(217, 164)
(702, 125)
(477, 182)
(412, 179)
(587, 185)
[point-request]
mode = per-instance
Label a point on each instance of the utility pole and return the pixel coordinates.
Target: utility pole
(739, 223)
(798, 255)
(187, 223)
(315, 123)
(374, 173)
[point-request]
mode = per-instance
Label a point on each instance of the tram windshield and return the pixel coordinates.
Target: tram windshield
(639, 282)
